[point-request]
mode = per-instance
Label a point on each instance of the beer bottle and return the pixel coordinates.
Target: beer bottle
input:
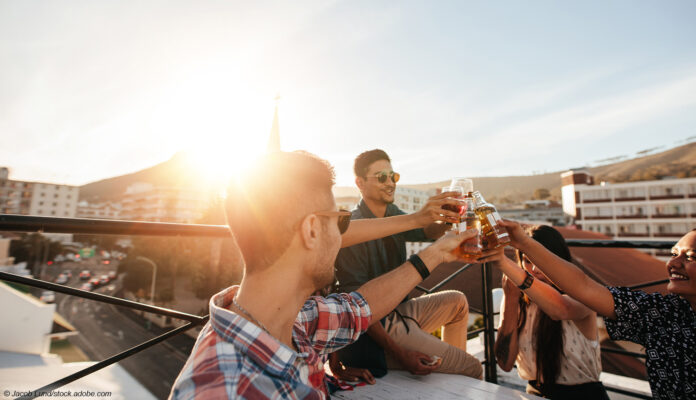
(493, 234)
(470, 250)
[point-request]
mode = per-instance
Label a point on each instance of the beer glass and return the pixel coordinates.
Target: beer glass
(466, 184)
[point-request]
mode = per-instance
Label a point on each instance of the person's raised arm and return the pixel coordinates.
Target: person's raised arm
(556, 305)
(568, 277)
(384, 293)
(431, 215)
(506, 343)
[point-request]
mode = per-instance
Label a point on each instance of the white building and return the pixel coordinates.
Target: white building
(146, 202)
(36, 198)
(650, 210)
(410, 200)
(103, 210)
(536, 212)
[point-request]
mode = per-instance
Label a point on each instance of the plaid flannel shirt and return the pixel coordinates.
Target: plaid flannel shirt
(233, 358)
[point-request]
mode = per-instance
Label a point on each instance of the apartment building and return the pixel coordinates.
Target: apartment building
(410, 200)
(536, 212)
(146, 202)
(37, 198)
(651, 210)
(102, 210)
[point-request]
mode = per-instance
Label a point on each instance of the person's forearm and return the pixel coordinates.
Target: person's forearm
(434, 231)
(380, 336)
(553, 303)
(363, 230)
(506, 344)
(385, 292)
(570, 279)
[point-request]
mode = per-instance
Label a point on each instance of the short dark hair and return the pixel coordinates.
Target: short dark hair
(265, 205)
(365, 159)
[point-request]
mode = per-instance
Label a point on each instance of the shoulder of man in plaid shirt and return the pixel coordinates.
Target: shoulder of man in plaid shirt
(233, 358)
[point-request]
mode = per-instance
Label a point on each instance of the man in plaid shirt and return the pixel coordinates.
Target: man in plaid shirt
(266, 337)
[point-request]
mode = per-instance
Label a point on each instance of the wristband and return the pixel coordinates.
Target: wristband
(419, 265)
(528, 280)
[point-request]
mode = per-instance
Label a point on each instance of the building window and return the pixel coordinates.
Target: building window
(55, 204)
(68, 196)
(53, 212)
(55, 196)
(43, 194)
(41, 203)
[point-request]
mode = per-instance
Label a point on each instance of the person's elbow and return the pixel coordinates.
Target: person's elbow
(506, 365)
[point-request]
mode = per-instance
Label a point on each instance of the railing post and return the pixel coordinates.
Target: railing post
(489, 333)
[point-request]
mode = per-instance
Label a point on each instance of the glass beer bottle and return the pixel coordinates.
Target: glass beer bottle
(470, 250)
(493, 235)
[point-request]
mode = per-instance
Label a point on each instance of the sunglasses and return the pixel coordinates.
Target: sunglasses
(383, 175)
(343, 218)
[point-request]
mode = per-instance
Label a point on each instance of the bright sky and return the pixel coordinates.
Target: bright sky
(94, 89)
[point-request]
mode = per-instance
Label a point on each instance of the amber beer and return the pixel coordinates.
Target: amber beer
(493, 234)
(469, 250)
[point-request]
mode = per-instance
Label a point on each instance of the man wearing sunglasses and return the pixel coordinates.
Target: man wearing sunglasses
(266, 337)
(402, 340)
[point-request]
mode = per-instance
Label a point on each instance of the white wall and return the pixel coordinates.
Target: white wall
(26, 322)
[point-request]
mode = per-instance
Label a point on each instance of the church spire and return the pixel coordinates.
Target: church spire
(274, 139)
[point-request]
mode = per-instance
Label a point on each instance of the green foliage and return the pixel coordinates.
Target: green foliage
(34, 248)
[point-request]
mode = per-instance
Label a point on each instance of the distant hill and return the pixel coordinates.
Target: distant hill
(679, 161)
(175, 172)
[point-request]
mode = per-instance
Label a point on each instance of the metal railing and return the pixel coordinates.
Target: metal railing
(21, 223)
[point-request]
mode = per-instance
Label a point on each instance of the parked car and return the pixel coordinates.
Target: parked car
(95, 282)
(68, 273)
(48, 297)
(104, 279)
(112, 275)
(84, 275)
(62, 279)
(86, 286)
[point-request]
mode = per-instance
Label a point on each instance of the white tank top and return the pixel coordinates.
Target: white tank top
(581, 359)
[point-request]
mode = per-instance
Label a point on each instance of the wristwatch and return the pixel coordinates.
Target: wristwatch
(527, 281)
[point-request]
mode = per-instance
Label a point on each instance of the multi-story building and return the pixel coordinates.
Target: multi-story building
(658, 210)
(103, 210)
(410, 200)
(37, 198)
(146, 202)
(536, 212)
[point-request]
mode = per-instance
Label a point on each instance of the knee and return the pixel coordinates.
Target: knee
(458, 299)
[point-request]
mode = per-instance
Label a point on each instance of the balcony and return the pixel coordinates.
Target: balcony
(607, 200)
(633, 216)
(598, 217)
(18, 223)
(632, 234)
(667, 197)
(642, 198)
(669, 216)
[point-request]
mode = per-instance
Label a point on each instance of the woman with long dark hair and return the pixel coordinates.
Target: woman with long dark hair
(552, 337)
(664, 324)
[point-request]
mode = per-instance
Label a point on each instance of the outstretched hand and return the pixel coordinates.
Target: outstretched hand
(518, 237)
(442, 250)
(432, 211)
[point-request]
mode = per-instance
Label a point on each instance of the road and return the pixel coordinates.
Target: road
(106, 330)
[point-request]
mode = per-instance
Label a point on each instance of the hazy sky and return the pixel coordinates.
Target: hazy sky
(93, 89)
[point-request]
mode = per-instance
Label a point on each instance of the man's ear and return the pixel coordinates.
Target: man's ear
(309, 231)
(359, 182)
